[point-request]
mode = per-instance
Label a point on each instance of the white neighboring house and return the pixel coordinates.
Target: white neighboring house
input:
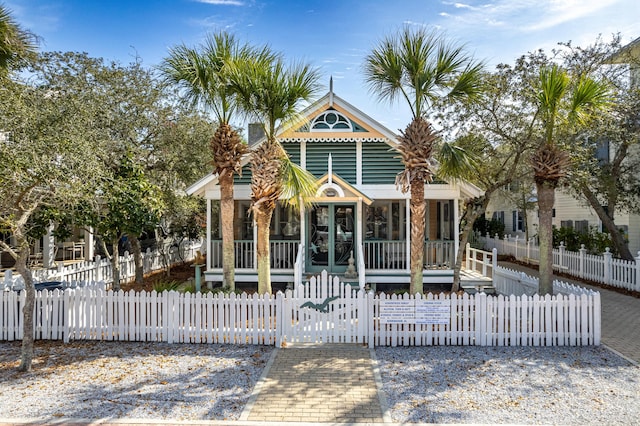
(569, 211)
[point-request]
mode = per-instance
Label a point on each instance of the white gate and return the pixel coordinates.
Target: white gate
(324, 310)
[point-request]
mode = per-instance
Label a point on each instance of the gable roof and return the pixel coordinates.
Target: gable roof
(376, 131)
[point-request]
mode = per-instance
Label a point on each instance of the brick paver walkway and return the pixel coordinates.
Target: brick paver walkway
(620, 316)
(318, 383)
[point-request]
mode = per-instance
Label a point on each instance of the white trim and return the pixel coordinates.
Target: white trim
(303, 154)
(408, 230)
(358, 162)
(209, 254)
(326, 186)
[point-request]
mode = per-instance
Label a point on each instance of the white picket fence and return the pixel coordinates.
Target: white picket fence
(322, 311)
(603, 269)
(100, 268)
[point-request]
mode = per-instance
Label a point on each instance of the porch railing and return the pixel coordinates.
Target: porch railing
(392, 254)
(439, 254)
(283, 254)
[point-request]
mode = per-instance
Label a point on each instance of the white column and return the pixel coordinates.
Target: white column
(359, 226)
(359, 162)
(209, 234)
(48, 250)
(456, 226)
(303, 235)
(408, 231)
(303, 154)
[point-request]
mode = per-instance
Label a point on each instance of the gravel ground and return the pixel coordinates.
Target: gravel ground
(94, 380)
(489, 385)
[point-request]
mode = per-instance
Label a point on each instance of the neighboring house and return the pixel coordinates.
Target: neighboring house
(358, 211)
(568, 211)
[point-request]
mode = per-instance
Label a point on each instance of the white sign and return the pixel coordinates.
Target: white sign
(433, 312)
(397, 312)
(415, 312)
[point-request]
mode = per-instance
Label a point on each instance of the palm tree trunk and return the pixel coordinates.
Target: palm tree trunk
(263, 223)
(546, 197)
(226, 213)
(418, 208)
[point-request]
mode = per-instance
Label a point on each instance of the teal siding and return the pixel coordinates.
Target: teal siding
(343, 159)
(246, 176)
(293, 149)
(380, 164)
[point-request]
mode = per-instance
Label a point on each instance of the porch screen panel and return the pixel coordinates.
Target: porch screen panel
(343, 157)
(379, 163)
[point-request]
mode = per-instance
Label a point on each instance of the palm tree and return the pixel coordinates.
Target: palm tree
(561, 103)
(16, 43)
(202, 73)
(422, 68)
(272, 93)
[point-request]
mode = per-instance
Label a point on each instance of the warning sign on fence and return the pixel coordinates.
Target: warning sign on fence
(415, 312)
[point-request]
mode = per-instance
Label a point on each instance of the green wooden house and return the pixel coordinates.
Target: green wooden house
(358, 216)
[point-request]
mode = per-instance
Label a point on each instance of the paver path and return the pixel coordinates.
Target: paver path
(318, 383)
(620, 316)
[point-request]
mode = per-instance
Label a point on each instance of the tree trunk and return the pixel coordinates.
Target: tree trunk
(115, 265)
(464, 238)
(473, 210)
(227, 213)
(616, 236)
(27, 341)
(263, 223)
(418, 208)
(546, 197)
(137, 259)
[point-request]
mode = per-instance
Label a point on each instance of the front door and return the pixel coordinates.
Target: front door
(331, 237)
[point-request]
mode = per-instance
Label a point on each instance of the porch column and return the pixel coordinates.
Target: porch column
(209, 234)
(303, 235)
(48, 249)
(456, 226)
(255, 244)
(359, 227)
(408, 233)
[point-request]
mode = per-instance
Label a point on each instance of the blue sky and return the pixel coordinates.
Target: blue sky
(333, 35)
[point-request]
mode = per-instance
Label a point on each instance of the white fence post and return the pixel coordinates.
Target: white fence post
(561, 255)
(607, 266)
(637, 281)
(494, 260)
(582, 251)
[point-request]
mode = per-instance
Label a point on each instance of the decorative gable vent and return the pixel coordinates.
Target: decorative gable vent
(331, 121)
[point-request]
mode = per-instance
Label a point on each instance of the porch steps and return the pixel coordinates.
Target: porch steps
(474, 282)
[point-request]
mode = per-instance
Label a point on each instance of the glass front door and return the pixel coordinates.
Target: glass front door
(331, 237)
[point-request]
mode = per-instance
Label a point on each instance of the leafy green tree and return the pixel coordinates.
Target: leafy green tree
(128, 204)
(272, 92)
(604, 168)
(47, 162)
(421, 68)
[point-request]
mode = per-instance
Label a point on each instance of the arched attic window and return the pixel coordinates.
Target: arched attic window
(331, 121)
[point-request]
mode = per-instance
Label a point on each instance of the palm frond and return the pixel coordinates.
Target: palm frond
(298, 185)
(589, 95)
(455, 163)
